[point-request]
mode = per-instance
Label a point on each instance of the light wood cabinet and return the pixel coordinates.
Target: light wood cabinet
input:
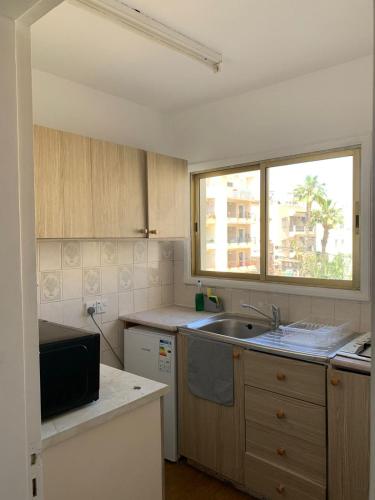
(168, 191)
(91, 188)
(212, 435)
(119, 190)
(76, 177)
(48, 177)
(348, 435)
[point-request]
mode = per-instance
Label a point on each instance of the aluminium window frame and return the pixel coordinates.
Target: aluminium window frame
(262, 167)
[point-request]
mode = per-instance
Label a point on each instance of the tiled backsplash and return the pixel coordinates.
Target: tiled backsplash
(293, 307)
(130, 276)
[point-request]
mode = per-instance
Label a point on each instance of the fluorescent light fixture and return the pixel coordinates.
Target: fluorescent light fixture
(141, 23)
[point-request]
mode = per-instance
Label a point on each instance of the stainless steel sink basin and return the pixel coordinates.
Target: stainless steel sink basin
(237, 327)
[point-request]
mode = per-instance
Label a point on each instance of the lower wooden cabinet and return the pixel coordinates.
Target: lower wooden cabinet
(210, 434)
(348, 435)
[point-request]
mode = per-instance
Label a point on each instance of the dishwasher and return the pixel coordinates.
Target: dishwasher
(151, 353)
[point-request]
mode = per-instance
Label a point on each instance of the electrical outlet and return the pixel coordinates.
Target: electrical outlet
(100, 306)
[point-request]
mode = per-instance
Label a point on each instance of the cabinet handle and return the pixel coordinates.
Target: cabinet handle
(236, 355)
(281, 452)
(280, 414)
(143, 231)
(280, 489)
(153, 231)
(335, 381)
(280, 376)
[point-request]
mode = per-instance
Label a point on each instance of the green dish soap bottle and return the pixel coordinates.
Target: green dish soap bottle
(199, 298)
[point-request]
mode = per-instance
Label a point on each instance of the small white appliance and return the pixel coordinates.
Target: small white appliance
(151, 354)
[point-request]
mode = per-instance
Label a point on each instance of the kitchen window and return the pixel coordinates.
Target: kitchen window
(292, 220)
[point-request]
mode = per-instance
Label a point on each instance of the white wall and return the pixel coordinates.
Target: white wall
(315, 108)
(66, 105)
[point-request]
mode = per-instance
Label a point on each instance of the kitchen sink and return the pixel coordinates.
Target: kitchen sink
(232, 326)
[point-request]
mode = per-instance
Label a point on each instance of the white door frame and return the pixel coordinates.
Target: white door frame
(20, 430)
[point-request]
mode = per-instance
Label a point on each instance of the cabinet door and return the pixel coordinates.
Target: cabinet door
(210, 434)
(77, 199)
(119, 190)
(168, 190)
(48, 183)
(348, 435)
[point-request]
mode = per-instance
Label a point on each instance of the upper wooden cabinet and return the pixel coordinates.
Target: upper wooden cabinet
(77, 189)
(49, 193)
(119, 190)
(168, 212)
(89, 188)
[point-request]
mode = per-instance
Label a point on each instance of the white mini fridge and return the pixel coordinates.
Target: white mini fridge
(151, 354)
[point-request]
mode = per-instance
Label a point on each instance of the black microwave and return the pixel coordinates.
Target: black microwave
(69, 367)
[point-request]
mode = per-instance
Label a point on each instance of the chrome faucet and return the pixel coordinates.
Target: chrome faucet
(275, 318)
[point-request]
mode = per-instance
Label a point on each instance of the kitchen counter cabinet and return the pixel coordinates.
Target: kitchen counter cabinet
(106, 449)
(348, 435)
(212, 435)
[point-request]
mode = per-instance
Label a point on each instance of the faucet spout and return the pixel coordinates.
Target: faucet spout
(275, 318)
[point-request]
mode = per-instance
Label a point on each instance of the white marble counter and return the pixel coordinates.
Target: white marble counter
(117, 396)
(168, 318)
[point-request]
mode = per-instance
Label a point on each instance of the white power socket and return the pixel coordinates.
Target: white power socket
(100, 306)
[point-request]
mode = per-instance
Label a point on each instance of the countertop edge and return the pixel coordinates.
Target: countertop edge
(151, 324)
(103, 418)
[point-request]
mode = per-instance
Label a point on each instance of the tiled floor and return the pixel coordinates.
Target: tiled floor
(186, 483)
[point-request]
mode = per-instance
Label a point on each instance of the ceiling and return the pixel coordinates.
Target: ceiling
(15, 8)
(262, 42)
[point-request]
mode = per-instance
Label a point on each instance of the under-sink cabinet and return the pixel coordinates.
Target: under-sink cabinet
(348, 435)
(88, 188)
(211, 435)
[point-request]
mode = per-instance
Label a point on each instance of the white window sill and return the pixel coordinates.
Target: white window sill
(332, 293)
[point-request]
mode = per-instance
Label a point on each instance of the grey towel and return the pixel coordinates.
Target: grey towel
(210, 370)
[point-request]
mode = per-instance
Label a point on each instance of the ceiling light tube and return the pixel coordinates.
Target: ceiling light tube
(136, 20)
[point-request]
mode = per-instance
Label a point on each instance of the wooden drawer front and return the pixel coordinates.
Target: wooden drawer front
(285, 451)
(297, 379)
(296, 418)
(267, 481)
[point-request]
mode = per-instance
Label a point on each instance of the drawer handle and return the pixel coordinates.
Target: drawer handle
(281, 452)
(153, 231)
(280, 376)
(335, 381)
(280, 414)
(236, 355)
(280, 489)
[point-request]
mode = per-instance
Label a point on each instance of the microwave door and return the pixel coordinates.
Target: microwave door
(64, 376)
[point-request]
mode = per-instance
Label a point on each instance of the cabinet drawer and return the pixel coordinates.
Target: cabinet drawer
(265, 480)
(296, 418)
(282, 450)
(297, 379)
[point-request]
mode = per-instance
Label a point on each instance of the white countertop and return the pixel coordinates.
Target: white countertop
(167, 318)
(117, 396)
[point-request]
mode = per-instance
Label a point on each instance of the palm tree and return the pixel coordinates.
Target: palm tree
(308, 192)
(329, 216)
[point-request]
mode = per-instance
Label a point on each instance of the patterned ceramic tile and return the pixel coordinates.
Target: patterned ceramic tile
(125, 278)
(108, 253)
(166, 250)
(166, 272)
(91, 281)
(154, 274)
(109, 279)
(140, 300)
(125, 252)
(72, 283)
(50, 286)
(140, 276)
(154, 251)
(49, 255)
(90, 253)
(71, 253)
(125, 303)
(154, 297)
(140, 252)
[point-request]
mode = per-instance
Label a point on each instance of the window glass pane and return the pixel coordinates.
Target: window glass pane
(230, 223)
(310, 219)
